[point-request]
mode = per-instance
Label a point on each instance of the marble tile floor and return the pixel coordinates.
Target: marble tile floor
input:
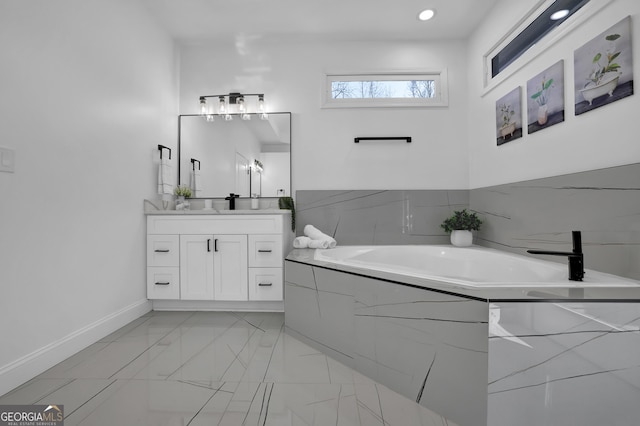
(214, 368)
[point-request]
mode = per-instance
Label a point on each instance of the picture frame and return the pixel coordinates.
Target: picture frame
(603, 68)
(545, 98)
(509, 117)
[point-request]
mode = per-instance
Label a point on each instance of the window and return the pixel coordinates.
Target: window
(534, 35)
(550, 18)
(385, 90)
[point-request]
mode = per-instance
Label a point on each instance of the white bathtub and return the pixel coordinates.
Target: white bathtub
(469, 266)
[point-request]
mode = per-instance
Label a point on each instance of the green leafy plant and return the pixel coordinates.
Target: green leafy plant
(506, 113)
(542, 95)
(182, 191)
(598, 73)
(287, 203)
(461, 220)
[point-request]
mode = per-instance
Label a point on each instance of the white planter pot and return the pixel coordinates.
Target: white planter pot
(461, 238)
(542, 114)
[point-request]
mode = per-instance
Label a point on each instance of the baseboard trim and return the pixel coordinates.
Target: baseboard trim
(212, 305)
(27, 367)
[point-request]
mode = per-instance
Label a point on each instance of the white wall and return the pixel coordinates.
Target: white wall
(88, 89)
(600, 138)
(324, 156)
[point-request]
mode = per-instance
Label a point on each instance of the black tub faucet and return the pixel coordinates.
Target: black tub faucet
(576, 258)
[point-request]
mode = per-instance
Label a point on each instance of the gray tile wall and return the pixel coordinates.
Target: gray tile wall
(424, 345)
(379, 217)
(603, 204)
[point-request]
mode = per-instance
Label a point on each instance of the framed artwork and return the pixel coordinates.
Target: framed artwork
(509, 117)
(604, 68)
(545, 98)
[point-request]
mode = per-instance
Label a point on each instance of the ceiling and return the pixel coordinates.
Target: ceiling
(192, 21)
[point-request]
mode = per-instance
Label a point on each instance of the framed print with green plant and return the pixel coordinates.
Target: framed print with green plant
(545, 98)
(604, 68)
(509, 117)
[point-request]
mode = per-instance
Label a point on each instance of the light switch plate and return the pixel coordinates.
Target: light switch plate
(7, 160)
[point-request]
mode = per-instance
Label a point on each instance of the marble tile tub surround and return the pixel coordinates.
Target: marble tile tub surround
(379, 217)
(428, 346)
(604, 204)
(214, 368)
(564, 364)
(531, 363)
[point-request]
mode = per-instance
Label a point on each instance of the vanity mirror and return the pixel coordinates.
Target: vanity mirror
(235, 156)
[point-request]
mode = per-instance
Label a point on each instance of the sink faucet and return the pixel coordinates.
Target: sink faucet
(576, 258)
(232, 200)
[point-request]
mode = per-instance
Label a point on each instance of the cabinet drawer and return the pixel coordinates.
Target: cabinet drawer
(163, 283)
(163, 250)
(265, 251)
(265, 284)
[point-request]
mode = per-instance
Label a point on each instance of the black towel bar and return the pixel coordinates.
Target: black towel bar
(384, 138)
(193, 163)
(161, 147)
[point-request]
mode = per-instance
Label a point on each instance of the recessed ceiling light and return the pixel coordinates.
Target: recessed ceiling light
(559, 14)
(425, 15)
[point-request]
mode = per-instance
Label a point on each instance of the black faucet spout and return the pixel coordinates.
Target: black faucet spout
(576, 257)
(232, 200)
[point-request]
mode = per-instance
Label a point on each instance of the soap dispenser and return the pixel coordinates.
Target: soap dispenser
(232, 200)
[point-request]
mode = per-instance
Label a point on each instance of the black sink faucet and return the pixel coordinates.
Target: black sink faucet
(576, 258)
(232, 200)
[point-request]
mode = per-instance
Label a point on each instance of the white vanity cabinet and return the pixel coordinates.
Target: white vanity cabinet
(234, 259)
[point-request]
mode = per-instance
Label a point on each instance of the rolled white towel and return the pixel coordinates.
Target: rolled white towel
(301, 242)
(315, 234)
(306, 242)
(319, 244)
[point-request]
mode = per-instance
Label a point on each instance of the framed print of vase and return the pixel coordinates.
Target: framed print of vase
(545, 98)
(604, 68)
(509, 117)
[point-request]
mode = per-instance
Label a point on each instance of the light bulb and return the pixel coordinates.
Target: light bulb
(245, 116)
(228, 117)
(240, 104)
(260, 103)
(222, 107)
(210, 118)
(203, 105)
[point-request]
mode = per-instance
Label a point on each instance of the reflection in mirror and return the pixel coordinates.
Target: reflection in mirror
(240, 156)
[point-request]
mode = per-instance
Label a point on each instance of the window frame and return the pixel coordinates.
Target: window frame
(553, 37)
(441, 99)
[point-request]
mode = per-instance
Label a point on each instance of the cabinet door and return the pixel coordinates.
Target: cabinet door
(230, 266)
(196, 267)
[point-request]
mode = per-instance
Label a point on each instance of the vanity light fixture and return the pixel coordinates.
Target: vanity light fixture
(232, 104)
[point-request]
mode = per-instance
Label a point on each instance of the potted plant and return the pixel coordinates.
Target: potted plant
(182, 192)
(508, 126)
(460, 226)
(603, 79)
(287, 203)
(542, 97)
